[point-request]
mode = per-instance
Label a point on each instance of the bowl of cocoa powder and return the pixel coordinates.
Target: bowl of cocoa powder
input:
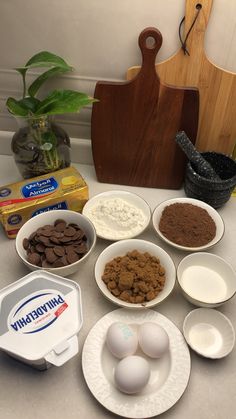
(58, 241)
(188, 224)
(135, 273)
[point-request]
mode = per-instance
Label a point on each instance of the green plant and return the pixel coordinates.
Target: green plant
(57, 101)
(35, 147)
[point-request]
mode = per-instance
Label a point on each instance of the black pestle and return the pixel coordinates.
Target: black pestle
(203, 168)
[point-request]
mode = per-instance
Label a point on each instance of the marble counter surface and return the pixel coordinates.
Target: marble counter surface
(60, 393)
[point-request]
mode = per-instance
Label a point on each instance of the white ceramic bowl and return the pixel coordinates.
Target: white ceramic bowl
(211, 211)
(206, 280)
(112, 231)
(120, 248)
(48, 218)
(209, 333)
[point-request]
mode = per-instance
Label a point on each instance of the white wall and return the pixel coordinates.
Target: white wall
(99, 39)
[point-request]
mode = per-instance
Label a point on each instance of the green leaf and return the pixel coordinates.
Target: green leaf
(30, 103)
(45, 59)
(23, 107)
(15, 107)
(64, 101)
(34, 87)
(57, 102)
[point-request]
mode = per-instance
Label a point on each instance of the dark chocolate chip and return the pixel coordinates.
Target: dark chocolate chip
(60, 226)
(46, 264)
(32, 249)
(81, 249)
(26, 243)
(50, 255)
(59, 251)
(46, 233)
(65, 239)
(40, 248)
(57, 234)
(54, 240)
(59, 221)
(39, 231)
(69, 231)
(74, 226)
(32, 236)
(48, 227)
(44, 240)
(72, 257)
(77, 236)
(69, 248)
(64, 260)
(34, 258)
(58, 263)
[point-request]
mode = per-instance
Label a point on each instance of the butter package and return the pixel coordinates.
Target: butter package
(63, 189)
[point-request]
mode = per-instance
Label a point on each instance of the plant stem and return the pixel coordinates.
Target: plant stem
(24, 86)
(51, 159)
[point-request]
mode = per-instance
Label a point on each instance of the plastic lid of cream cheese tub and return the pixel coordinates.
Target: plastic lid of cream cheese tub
(40, 317)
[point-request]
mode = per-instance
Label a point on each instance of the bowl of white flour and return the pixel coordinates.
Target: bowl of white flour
(117, 214)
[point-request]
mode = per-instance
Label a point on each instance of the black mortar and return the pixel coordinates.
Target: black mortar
(214, 192)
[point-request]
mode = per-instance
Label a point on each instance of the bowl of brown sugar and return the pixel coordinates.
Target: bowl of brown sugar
(135, 273)
(188, 224)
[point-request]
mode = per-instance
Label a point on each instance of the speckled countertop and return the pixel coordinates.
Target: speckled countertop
(62, 392)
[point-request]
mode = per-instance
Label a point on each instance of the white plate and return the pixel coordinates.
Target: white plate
(169, 375)
(209, 333)
(211, 211)
(131, 199)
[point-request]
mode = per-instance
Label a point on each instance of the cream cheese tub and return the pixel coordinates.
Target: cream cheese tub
(40, 318)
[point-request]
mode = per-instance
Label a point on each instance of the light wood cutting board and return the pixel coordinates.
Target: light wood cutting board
(134, 125)
(217, 87)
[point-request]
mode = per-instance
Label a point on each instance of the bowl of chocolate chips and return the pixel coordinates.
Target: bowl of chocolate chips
(58, 241)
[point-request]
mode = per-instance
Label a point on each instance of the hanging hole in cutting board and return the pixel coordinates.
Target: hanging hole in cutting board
(198, 6)
(150, 42)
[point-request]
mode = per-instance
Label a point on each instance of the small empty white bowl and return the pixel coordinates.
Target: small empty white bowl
(107, 225)
(206, 280)
(211, 211)
(120, 248)
(49, 217)
(209, 333)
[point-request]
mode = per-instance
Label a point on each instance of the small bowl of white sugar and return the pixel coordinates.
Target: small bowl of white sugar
(209, 333)
(118, 215)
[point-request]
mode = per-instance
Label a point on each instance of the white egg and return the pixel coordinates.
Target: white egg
(153, 340)
(132, 374)
(121, 340)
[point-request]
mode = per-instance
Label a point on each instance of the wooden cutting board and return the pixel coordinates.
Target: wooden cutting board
(217, 87)
(134, 125)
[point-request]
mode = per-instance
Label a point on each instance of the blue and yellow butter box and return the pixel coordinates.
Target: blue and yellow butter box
(63, 189)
